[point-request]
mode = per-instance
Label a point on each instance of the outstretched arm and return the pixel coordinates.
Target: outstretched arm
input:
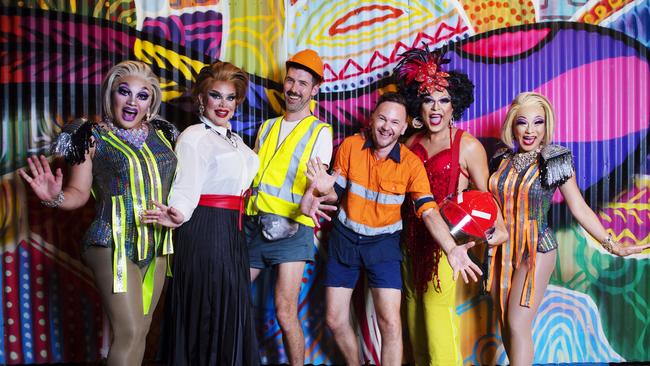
(588, 219)
(456, 254)
(48, 186)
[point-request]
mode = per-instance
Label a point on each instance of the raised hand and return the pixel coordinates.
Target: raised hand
(317, 174)
(314, 207)
(163, 215)
(45, 185)
(461, 263)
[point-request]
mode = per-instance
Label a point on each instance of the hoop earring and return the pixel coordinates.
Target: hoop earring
(201, 109)
(416, 123)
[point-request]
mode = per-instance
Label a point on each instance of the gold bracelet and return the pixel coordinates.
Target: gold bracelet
(608, 243)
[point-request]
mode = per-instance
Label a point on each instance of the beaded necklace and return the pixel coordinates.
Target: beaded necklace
(134, 136)
(521, 161)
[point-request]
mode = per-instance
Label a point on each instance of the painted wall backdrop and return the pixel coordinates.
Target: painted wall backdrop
(589, 57)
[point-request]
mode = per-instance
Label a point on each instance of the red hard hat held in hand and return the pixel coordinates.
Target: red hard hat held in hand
(469, 215)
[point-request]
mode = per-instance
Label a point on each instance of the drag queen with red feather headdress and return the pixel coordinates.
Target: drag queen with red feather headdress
(454, 160)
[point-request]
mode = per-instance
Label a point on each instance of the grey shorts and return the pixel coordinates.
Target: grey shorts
(264, 253)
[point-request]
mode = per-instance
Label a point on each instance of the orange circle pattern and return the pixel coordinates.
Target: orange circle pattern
(491, 14)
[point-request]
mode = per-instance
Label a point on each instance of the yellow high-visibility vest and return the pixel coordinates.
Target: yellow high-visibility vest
(280, 182)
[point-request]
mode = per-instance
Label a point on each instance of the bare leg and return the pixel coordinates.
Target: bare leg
(519, 319)
(387, 303)
(494, 294)
(505, 333)
(128, 323)
(287, 290)
(254, 273)
(159, 281)
(337, 305)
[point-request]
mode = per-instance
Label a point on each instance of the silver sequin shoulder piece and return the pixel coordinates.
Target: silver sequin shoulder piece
(74, 141)
(556, 165)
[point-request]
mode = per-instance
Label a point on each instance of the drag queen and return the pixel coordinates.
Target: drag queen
(208, 317)
(524, 178)
(127, 160)
(454, 160)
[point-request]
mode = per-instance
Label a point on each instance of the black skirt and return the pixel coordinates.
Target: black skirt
(208, 317)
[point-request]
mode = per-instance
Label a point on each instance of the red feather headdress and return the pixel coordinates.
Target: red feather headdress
(424, 67)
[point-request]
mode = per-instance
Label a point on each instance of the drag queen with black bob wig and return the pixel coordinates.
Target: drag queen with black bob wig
(454, 160)
(127, 160)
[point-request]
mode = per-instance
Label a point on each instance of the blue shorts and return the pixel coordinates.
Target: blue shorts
(263, 253)
(380, 275)
(349, 253)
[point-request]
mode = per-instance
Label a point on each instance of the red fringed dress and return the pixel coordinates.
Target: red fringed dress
(429, 287)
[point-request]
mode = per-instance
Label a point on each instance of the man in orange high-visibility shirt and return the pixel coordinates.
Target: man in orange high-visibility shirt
(372, 179)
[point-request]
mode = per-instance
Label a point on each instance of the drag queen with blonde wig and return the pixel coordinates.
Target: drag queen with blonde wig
(525, 175)
(127, 160)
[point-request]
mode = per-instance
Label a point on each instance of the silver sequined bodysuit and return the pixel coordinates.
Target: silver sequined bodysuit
(125, 180)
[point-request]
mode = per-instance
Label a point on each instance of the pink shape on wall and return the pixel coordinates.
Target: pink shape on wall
(506, 44)
(595, 102)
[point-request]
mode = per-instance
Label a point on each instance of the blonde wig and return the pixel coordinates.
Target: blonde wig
(524, 99)
(125, 69)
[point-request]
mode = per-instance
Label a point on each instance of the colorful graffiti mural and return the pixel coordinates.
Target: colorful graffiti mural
(589, 57)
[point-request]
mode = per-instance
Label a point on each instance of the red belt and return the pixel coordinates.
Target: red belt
(225, 201)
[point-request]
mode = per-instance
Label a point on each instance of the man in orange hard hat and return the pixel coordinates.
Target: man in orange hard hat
(278, 234)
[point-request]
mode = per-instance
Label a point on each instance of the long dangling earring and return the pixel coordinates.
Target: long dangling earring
(147, 117)
(416, 123)
(201, 109)
(451, 123)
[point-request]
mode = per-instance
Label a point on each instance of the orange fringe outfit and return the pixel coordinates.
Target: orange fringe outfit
(524, 196)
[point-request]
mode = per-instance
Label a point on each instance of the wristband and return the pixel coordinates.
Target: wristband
(56, 202)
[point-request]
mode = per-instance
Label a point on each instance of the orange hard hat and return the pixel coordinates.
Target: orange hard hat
(308, 59)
